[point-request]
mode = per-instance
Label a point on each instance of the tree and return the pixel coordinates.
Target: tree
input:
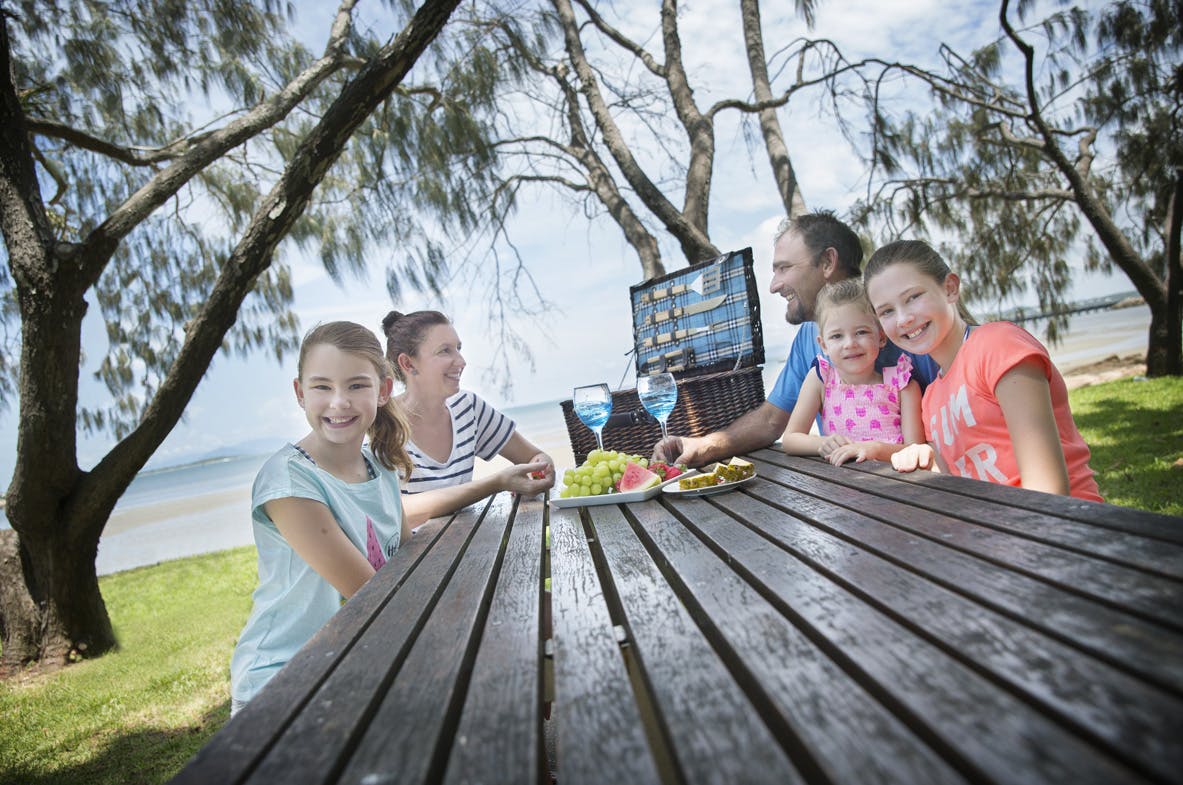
(628, 137)
(92, 100)
(1064, 133)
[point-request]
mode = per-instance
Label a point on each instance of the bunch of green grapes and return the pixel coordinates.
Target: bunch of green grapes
(598, 474)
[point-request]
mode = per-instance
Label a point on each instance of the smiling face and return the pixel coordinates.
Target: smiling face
(437, 364)
(852, 339)
(797, 275)
(918, 313)
(340, 393)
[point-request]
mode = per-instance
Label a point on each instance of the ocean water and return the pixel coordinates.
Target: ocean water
(139, 534)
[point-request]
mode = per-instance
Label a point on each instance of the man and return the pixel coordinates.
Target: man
(808, 252)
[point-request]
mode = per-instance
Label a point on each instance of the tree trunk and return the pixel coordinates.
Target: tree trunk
(1164, 349)
(18, 609)
(774, 140)
(57, 510)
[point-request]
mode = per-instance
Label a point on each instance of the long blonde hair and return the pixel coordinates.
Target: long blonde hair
(390, 431)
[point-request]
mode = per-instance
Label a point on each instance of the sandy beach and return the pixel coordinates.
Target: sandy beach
(150, 533)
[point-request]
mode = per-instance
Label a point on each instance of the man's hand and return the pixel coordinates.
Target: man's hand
(685, 450)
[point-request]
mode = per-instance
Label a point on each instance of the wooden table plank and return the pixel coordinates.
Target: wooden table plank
(322, 737)
(984, 730)
(600, 734)
(1127, 520)
(1151, 554)
(409, 736)
(838, 732)
(1117, 710)
(1132, 590)
(713, 730)
(1123, 640)
(233, 753)
(499, 738)
(1142, 523)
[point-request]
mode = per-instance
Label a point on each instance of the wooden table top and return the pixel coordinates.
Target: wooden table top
(817, 625)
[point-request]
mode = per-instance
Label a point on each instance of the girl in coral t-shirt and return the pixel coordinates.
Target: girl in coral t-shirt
(999, 409)
(866, 412)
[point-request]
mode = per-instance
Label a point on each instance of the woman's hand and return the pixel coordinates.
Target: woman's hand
(548, 471)
(517, 478)
(915, 456)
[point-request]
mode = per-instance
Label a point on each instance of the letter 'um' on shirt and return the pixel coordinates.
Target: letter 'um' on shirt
(957, 410)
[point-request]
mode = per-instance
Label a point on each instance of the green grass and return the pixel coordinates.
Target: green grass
(1134, 428)
(137, 715)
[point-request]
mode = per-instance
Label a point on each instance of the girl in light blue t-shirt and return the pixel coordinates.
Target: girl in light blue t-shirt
(326, 511)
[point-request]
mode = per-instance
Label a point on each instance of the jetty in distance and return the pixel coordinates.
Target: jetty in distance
(1031, 314)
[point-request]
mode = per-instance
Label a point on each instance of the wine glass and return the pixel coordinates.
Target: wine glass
(659, 395)
(593, 404)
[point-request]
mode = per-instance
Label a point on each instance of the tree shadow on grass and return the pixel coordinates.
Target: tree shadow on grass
(1134, 464)
(145, 757)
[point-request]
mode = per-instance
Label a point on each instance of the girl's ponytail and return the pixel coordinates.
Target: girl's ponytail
(389, 435)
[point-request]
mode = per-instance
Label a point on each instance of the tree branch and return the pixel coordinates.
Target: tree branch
(98, 246)
(622, 41)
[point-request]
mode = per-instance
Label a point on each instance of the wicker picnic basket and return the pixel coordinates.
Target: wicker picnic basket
(705, 403)
(715, 354)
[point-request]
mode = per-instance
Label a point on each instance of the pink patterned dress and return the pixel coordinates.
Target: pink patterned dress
(864, 412)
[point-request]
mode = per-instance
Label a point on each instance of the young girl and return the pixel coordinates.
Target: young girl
(326, 511)
(451, 427)
(866, 413)
(999, 410)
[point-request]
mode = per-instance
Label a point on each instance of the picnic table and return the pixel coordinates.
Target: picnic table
(817, 625)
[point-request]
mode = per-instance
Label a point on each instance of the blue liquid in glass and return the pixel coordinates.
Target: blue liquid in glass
(660, 403)
(593, 413)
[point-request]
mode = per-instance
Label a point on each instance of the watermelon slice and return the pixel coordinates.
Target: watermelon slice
(637, 478)
(667, 471)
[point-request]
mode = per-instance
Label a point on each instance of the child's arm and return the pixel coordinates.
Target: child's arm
(911, 420)
(797, 440)
(315, 535)
(1026, 401)
(418, 508)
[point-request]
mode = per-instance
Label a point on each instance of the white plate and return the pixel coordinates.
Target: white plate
(710, 490)
(559, 502)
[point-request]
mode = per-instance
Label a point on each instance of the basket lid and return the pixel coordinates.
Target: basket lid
(701, 319)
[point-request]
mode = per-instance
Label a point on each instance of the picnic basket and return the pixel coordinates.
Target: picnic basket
(702, 324)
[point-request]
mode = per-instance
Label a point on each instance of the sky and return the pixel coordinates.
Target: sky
(585, 269)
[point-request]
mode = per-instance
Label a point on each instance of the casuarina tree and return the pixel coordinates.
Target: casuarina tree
(155, 156)
(1060, 139)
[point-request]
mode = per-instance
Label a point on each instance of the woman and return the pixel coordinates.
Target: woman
(451, 427)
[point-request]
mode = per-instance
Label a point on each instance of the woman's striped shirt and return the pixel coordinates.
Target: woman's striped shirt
(477, 430)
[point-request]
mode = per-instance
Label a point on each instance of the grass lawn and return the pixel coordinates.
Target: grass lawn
(1134, 428)
(137, 715)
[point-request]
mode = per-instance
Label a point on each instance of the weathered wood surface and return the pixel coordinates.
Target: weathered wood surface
(817, 625)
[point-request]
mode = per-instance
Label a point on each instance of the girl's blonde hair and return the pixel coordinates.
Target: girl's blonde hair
(845, 292)
(920, 255)
(390, 431)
